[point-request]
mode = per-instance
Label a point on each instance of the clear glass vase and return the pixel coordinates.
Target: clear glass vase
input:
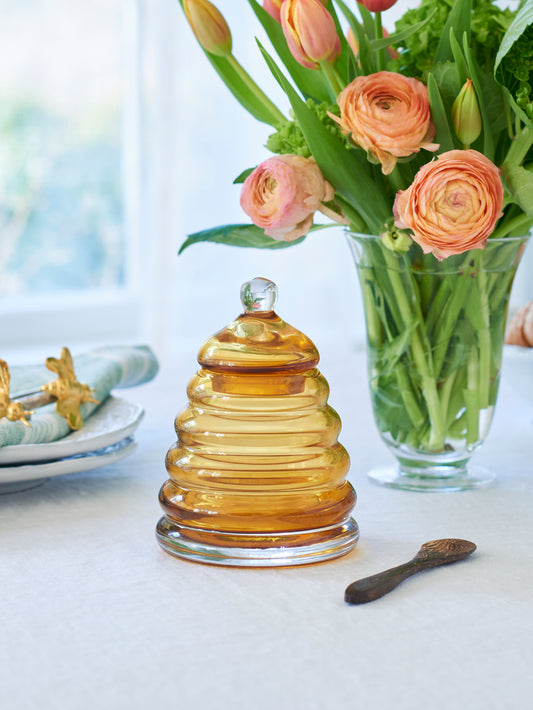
(435, 333)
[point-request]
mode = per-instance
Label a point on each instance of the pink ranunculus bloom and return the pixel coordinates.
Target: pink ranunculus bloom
(388, 115)
(283, 193)
(310, 32)
(273, 8)
(377, 5)
(452, 204)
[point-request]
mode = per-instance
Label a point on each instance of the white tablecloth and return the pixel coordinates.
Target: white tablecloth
(94, 615)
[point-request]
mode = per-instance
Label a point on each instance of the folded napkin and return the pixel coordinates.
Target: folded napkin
(102, 369)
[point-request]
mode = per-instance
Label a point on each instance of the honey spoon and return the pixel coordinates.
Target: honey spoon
(431, 554)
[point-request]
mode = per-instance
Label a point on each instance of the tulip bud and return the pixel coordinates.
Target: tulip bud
(273, 8)
(210, 28)
(466, 116)
(377, 5)
(310, 32)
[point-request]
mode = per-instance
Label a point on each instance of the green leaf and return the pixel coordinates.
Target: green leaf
(444, 136)
(458, 21)
(340, 166)
(366, 56)
(521, 22)
(459, 59)
(397, 37)
(242, 235)
(395, 348)
(518, 26)
(242, 177)
(309, 81)
(368, 20)
(519, 182)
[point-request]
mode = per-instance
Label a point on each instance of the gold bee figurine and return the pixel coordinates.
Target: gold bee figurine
(70, 393)
(13, 411)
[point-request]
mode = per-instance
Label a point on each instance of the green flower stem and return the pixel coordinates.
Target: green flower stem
(411, 405)
(380, 54)
(520, 147)
(332, 77)
(455, 414)
(438, 307)
(395, 179)
(460, 290)
(378, 324)
(484, 340)
(471, 395)
(270, 108)
(445, 397)
(421, 354)
(373, 323)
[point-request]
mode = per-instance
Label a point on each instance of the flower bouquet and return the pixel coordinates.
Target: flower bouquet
(419, 143)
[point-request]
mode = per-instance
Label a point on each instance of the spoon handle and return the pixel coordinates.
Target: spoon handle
(376, 586)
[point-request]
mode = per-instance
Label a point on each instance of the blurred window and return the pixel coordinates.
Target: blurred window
(69, 105)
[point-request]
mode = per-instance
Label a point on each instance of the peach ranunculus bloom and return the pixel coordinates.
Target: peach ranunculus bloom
(452, 204)
(282, 195)
(388, 115)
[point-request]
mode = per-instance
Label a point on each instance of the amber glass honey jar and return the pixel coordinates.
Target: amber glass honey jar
(257, 476)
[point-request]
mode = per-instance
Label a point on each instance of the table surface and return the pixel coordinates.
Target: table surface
(95, 615)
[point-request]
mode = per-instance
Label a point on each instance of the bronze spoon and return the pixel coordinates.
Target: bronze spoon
(431, 554)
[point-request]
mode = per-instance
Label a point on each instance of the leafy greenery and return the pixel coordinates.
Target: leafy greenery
(442, 43)
(518, 64)
(289, 137)
(417, 53)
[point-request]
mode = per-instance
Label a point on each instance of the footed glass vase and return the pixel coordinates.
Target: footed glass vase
(435, 334)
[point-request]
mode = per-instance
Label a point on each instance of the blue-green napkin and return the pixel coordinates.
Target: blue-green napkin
(103, 369)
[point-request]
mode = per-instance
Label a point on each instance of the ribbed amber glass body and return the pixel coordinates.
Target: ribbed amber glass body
(257, 464)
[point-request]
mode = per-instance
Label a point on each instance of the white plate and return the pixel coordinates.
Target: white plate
(11, 477)
(113, 421)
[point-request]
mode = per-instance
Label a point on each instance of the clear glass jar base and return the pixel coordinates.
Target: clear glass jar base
(464, 480)
(268, 550)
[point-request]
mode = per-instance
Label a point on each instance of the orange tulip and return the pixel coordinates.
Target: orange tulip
(209, 26)
(310, 32)
(273, 7)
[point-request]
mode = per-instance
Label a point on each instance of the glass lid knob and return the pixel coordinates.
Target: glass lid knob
(259, 294)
